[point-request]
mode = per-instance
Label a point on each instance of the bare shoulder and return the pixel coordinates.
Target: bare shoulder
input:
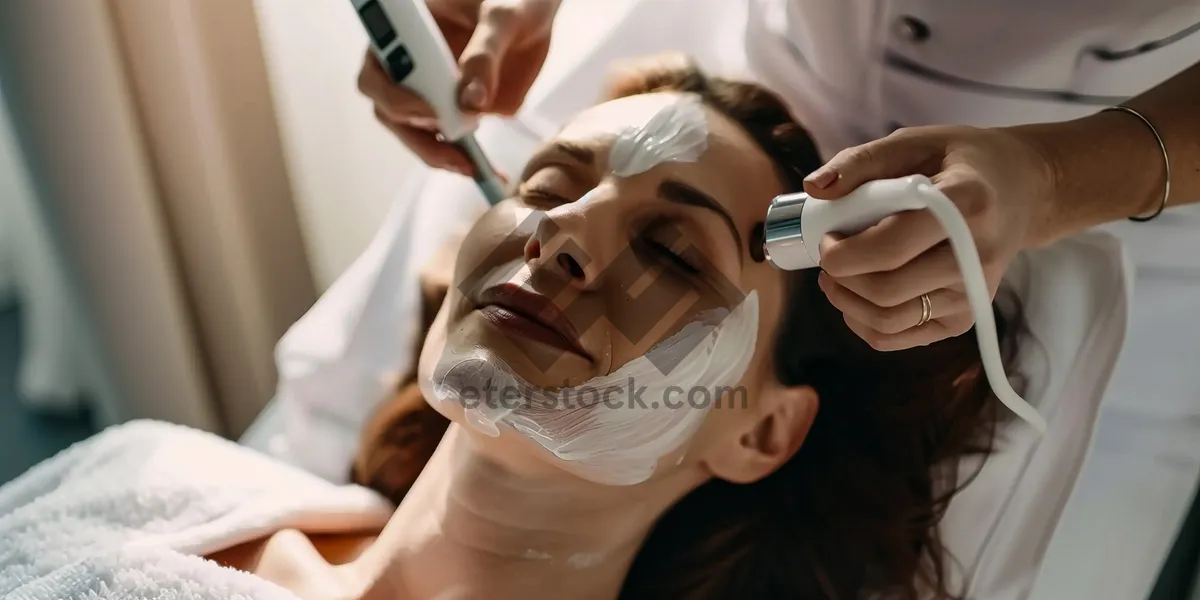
(291, 559)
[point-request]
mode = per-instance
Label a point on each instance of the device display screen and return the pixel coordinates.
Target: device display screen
(378, 25)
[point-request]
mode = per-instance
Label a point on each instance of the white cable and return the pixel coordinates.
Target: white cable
(962, 242)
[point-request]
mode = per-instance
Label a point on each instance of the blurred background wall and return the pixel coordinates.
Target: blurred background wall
(149, 133)
(345, 168)
(32, 366)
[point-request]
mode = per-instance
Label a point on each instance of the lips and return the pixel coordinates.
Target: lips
(513, 308)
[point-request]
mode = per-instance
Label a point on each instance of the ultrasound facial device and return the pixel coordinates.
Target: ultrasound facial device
(410, 47)
(795, 224)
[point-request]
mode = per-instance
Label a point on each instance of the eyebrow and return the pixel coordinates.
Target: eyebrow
(577, 152)
(678, 192)
(580, 153)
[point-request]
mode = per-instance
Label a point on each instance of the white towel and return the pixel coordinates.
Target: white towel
(127, 515)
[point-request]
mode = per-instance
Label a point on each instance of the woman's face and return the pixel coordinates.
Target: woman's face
(584, 271)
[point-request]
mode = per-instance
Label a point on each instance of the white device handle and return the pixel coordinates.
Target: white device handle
(796, 223)
(867, 205)
(409, 44)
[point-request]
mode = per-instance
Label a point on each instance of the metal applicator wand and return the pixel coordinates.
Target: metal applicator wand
(796, 223)
(409, 45)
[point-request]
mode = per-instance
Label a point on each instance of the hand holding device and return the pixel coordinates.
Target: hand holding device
(796, 227)
(499, 47)
(996, 178)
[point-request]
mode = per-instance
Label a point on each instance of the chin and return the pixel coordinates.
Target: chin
(472, 355)
(504, 451)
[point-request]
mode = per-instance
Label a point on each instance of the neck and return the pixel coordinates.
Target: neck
(471, 527)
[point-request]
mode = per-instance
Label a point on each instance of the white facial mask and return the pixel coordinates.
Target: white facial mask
(676, 133)
(614, 428)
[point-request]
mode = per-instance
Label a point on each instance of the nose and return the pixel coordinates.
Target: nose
(572, 243)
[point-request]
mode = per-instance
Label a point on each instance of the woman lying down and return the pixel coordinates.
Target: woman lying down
(616, 397)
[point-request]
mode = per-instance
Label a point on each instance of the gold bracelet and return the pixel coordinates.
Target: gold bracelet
(1166, 161)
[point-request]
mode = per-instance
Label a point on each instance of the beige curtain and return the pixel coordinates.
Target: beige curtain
(153, 126)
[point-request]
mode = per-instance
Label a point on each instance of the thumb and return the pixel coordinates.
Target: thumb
(885, 158)
(481, 59)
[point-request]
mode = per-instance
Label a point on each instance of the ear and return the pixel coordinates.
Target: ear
(770, 438)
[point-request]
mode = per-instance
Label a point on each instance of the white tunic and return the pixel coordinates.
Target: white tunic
(857, 70)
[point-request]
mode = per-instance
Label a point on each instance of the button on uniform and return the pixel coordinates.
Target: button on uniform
(910, 28)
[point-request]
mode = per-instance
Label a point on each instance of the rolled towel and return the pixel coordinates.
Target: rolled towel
(130, 512)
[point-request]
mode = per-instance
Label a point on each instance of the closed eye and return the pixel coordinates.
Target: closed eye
(541, 199)
(548, 187)
(675, 260)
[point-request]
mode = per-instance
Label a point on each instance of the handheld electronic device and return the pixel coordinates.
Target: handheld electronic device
(410, 47)
(796, 223)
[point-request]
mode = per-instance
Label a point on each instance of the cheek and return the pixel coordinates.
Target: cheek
(738, 414)
(432, 351)
(772, 286)
(499, 236)
(646, 309)
(737, 411)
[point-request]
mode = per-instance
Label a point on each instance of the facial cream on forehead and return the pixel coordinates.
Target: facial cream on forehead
(678, 132)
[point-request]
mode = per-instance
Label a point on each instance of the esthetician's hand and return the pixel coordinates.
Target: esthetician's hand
(501, 46)
(998, 178)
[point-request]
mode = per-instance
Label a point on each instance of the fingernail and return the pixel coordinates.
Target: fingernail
(473, 95)
(822, 177)
(425, 123)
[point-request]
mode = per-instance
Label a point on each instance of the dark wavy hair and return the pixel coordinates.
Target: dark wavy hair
(855, 512)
